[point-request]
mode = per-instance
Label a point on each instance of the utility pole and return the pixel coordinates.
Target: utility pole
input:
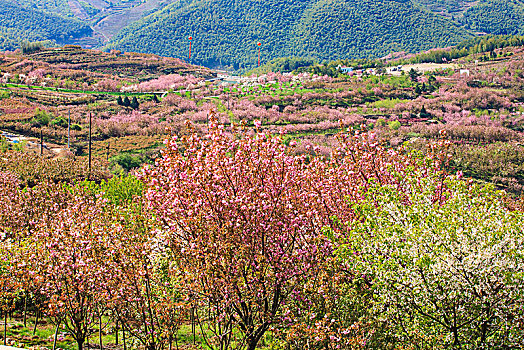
(190, 41)
(41, 141)
(90, 124)
(69, 131)
(259, 44)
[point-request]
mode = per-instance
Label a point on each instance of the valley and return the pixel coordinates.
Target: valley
(315, 175)
(225, 31)
(58, 83)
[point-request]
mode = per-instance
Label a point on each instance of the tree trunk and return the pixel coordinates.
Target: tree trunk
(456, 342)
(56, 335)
(100, 330)
(36, 321)
(25, 311)
(116, 331)
(80, 344)
(193, 327)
(5, 327)
(253, 340)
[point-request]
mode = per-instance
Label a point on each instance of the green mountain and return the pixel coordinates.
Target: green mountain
(225, 32)
(500, 17)
(60, 7)
(496, 17)
(19, 23)
(449, 8)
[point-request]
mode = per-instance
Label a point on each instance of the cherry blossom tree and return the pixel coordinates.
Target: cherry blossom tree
(63, 257)
(239, 221)
(144, 281)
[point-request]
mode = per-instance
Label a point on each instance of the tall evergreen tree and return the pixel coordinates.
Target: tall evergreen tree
(134, 103)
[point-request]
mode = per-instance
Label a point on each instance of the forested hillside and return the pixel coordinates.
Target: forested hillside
(496, 17)
(18, 23)
(54, 6)
(501, 17)
(449, 8)
(225, 32)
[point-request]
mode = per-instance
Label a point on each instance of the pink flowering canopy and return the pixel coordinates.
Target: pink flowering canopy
(238, 213)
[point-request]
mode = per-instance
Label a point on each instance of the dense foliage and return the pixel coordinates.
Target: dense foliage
(53, 6)
(18, 23)
(443, 256)
(281, 211)
(451, 8)
(253, 243)
(496, 17)
(226, 32)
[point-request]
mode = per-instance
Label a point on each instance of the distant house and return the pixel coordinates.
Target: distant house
(345, 70)
(390, 70)
(464, 72)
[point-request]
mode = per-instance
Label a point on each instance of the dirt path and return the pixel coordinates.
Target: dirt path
(78, 10)
(33, 144)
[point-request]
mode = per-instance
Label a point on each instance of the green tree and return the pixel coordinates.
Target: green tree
(413, 75)
(424, 113)
(134, 103)
(42, 117)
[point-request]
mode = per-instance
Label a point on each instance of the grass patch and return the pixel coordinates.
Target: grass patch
(388, 104)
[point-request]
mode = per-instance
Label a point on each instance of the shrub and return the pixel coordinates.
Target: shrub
(60, 121)
(394, 125)
(76, 127)
(128, 161)
(42, 117)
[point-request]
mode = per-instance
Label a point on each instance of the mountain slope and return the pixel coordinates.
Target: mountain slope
(499, 17)
(449, 8)
(496, 17)
(373, 28)
(225, 32)
(18, 23)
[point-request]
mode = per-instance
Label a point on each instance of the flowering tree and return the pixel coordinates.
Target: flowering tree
(8, 282)
(144, 280)
(63, 257)
(241, 228)
(166, 82)
(445, 273)
(10, 208)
